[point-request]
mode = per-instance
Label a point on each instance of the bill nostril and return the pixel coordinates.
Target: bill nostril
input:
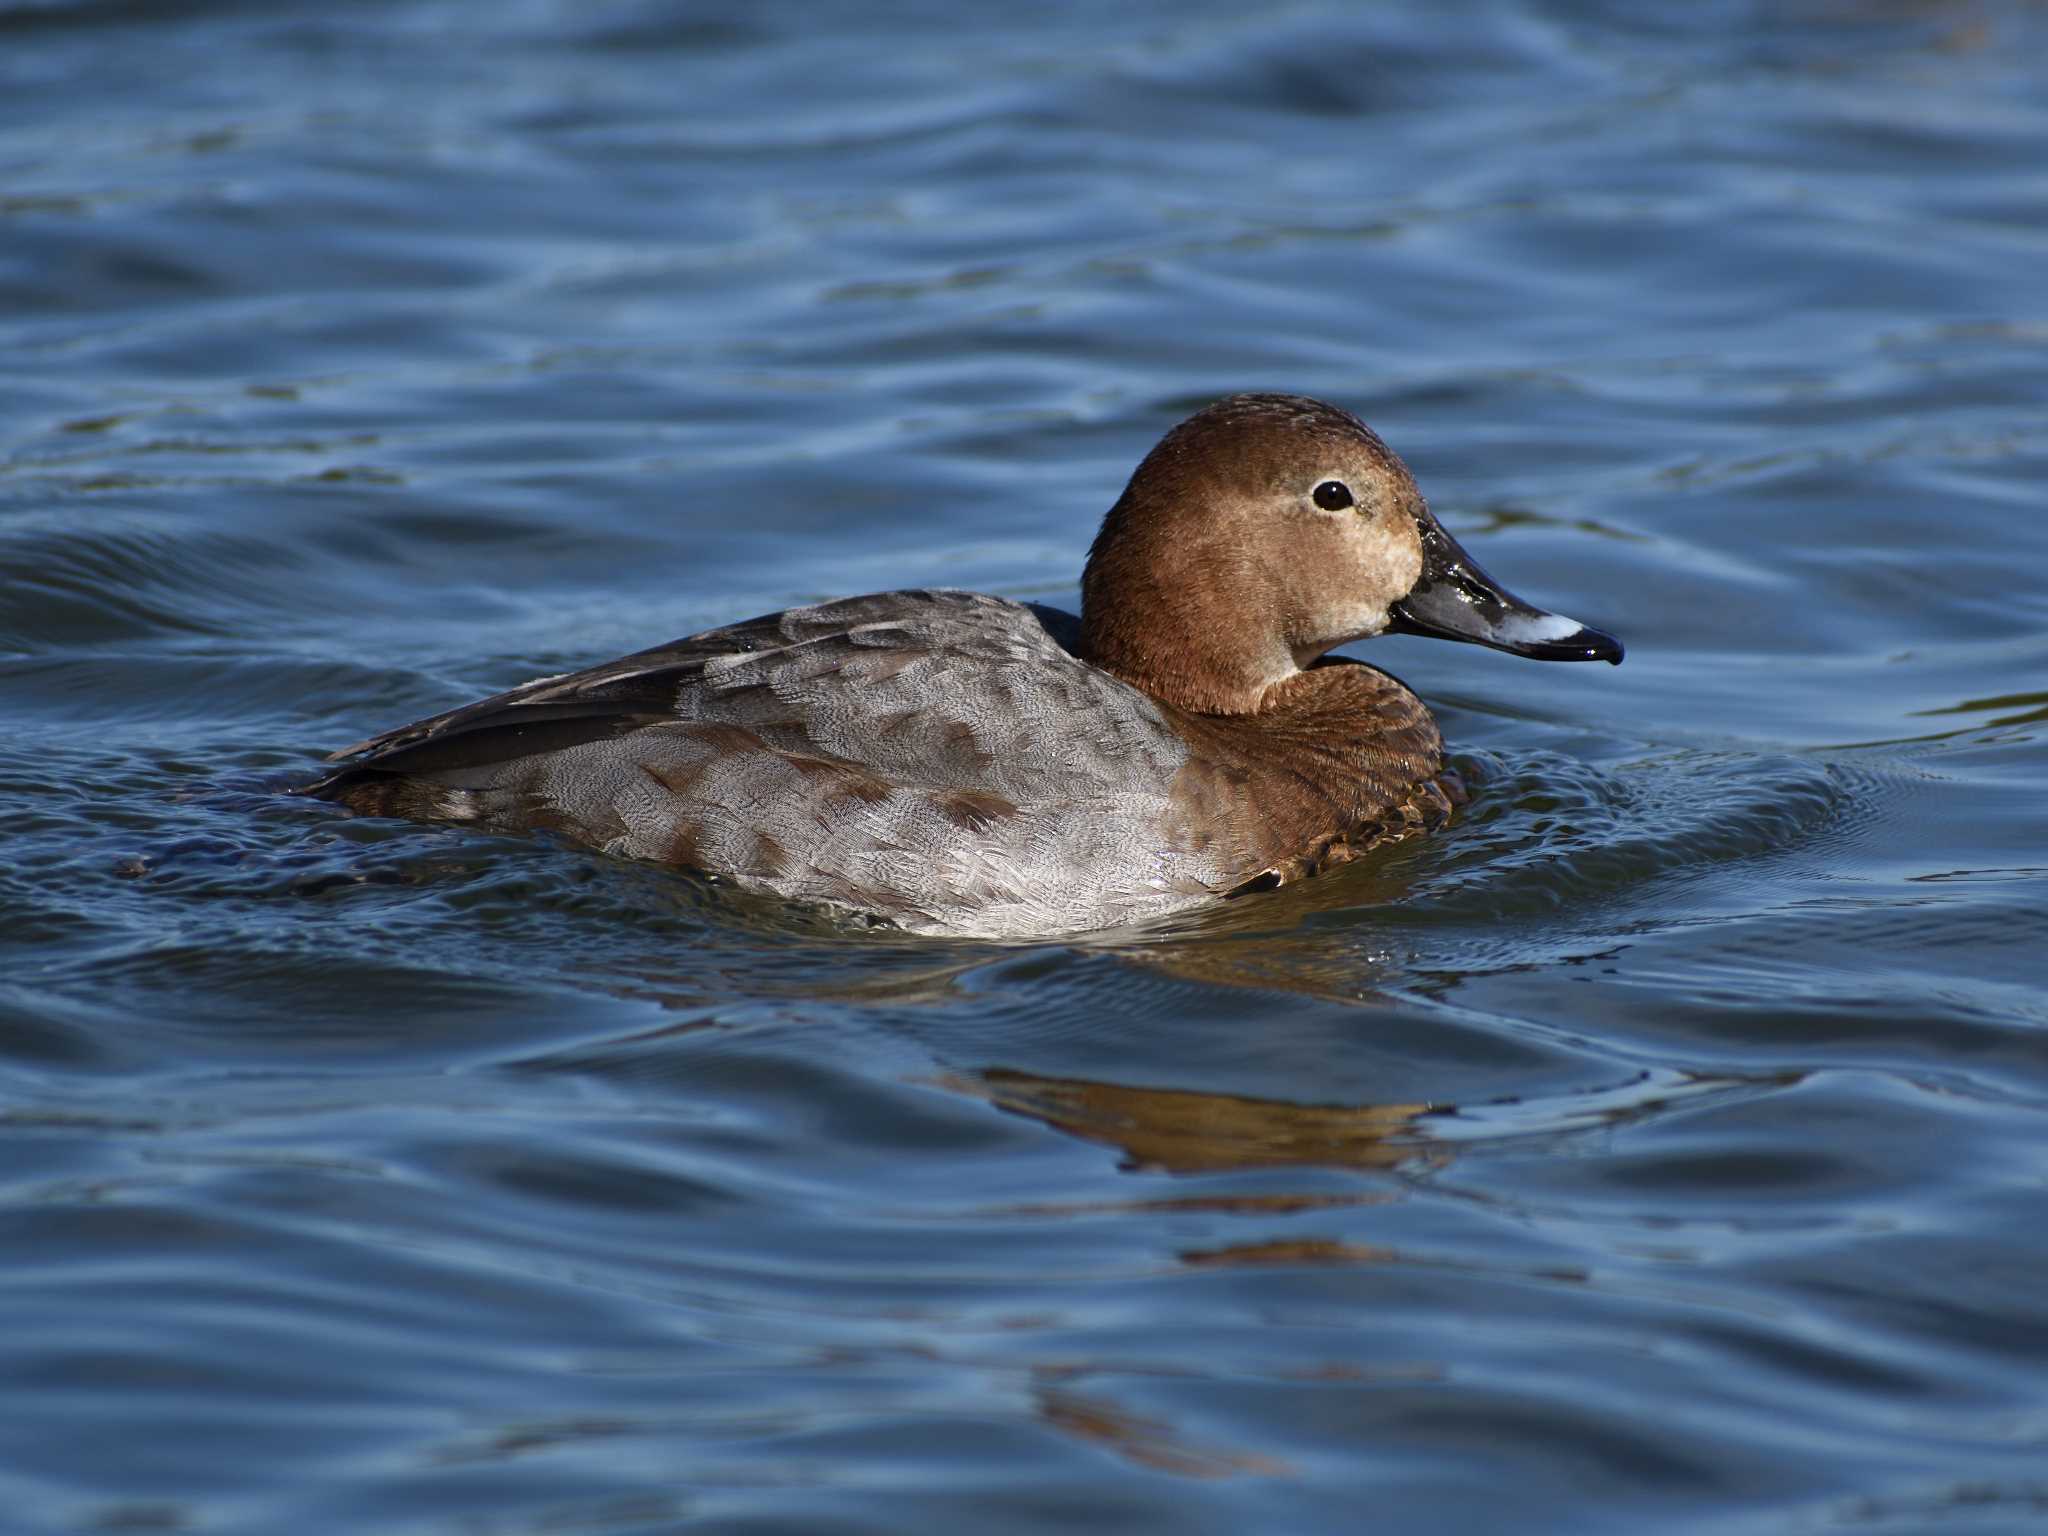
(1475, 593)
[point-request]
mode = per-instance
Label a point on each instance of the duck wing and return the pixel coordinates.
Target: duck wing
(928, 689)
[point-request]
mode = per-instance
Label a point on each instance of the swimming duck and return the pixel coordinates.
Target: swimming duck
(950, 762)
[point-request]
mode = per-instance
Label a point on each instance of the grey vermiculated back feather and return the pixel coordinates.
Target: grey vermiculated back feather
(907, 753)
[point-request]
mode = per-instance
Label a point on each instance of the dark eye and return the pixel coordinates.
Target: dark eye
(1333, 496)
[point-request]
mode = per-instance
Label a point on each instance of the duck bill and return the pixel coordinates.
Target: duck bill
(1456, 600)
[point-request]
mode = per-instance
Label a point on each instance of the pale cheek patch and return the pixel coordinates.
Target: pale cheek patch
(1391, 551)
(1353, 590)
(1389, 564)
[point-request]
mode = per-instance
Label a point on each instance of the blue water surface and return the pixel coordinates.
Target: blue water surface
(1661, 1147)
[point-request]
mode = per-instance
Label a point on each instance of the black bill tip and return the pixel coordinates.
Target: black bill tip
(1583, 644)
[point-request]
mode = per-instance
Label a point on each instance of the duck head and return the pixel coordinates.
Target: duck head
(1266, 530)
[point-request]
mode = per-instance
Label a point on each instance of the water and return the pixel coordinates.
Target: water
(1658, 1148)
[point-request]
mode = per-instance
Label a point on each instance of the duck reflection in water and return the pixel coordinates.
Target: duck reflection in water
(1178, 1130)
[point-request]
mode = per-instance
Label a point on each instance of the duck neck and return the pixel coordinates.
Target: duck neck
(1199, 668)
(1175, 627)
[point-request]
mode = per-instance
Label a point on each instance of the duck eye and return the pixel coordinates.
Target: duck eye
(1333, 496)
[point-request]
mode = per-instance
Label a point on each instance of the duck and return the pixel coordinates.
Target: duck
(953, 763)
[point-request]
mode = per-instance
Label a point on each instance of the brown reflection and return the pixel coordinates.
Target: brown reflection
(1319, 965)
(1145, 1442)
(1255, 942)
(1239, 1205)
(1178, 1130)
(1287, 1251)
(2004, 709)
(1281, 941)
